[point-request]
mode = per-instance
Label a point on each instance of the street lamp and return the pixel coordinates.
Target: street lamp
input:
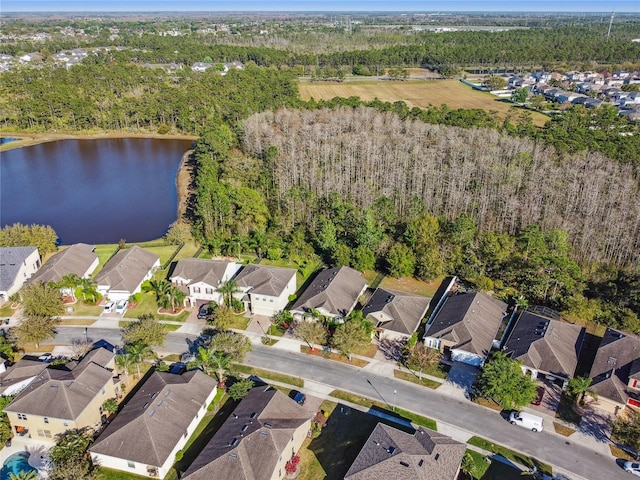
(86, 337)
(394, 400)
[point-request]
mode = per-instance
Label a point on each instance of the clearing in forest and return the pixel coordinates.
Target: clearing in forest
(416, 93)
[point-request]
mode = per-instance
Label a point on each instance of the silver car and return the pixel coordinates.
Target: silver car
(632, 467)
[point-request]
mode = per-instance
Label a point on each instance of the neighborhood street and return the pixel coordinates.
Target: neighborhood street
(548, 447)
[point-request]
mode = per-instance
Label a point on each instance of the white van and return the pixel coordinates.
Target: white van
(526, 420)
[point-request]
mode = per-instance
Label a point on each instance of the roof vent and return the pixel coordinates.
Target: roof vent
(390, 450)
(263, 433)
(437, 457)
(268, 425)
(244, 428)
(145, 405)
(233, 455)
(404, 464)
(421, 462)
(159, 403)
(233, 442)
(152, 413)
(166, 394)
(234, 415)
(253, 415)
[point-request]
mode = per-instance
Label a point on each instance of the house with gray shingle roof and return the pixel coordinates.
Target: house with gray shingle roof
(390, 453)
(79, 259)
(16, 377)
(265, 290)
(200, 278)
(616, 371)
(17, 265)
(396, 315)
(256, 441)
(155, 424)
(65, 397)
(123, 274)
(466, 327)
(544, 346)
(333, 292)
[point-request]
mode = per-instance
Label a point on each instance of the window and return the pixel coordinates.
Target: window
(432, 343)
(22, 416)
(47, 433)
(46, 420)
(196, 289)
(131, 464)
(208, 291)
(65, 424)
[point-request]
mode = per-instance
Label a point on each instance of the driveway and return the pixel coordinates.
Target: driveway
(459, 380)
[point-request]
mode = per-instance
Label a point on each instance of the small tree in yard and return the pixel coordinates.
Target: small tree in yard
(578, 388)
(145, 330)
(421, 357)
(292, 465)
(110, 406)
(503, 381)
(40, 300)
(626, 429)
(33, 329)
(240, 389)
(222, 317)
(310, 332)
(349, 337)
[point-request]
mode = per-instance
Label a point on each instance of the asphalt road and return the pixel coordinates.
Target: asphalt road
(486, 423)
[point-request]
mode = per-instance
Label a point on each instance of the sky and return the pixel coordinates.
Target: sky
(319, 5)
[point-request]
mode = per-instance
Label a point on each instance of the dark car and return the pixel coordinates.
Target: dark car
(298, 397)
(203, 312)
(539, 395)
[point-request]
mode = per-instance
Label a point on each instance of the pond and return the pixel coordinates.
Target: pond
(93, 191)
(15, 464)
(4, 140)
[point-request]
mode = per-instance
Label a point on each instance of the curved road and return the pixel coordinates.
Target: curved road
(545, 446)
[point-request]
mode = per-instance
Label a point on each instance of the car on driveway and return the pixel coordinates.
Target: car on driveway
(45, 357)
(632, 467)
(203, 312)
(298, 397)
(121, 307)
(108, 307)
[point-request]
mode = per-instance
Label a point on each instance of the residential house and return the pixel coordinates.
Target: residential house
(396, 315)
(123, 274)
(616, 371)
(201, 66)
(334, 292)
(200, 278)
(466, 326)
(62, 398)
(545, 347)
(79, 259)
(17, 265)
(16, 377)
(266, 290)
(155, 424)
(390, 453)
(256, 441)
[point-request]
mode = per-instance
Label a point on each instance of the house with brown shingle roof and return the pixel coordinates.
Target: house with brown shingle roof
(265, 290)
(390, 453)
(334, 292)
(66, 397)
(200, 278)
(466, 327)
(256, 441)
(79, 259)
(123, 275)
(547, 347)
(616, 371)
(396, 315)
(155, 423)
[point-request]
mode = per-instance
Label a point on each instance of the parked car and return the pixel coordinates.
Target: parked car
(632, 467)
(121, 307)
(45, 357)
(539, 395)
(526, 420)
(298, 397)
(203, 312)
(108, 307)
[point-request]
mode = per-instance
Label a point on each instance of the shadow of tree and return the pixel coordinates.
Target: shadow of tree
(596, 424)
(391, 349)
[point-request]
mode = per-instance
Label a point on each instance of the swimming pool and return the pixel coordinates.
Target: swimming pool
(15, 464)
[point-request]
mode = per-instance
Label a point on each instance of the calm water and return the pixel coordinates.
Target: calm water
(4, 140)
(94, 191)
(15, 464)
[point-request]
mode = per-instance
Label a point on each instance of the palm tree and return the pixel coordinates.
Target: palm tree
(176, 297)
(137, 354)
(161, 289)
(579, 388)
(69, 282)
(124, 363)
(467, 465)
(88, 288)
(227, 289)
(23, 475)
(110, 405)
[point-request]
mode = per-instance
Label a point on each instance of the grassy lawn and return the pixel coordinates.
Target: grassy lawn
(409, 377)
(276, 377)
(104, 252)
(276, 330)
(239, 322)
(562, 429)
(488, 403)
(510, 454)
(356, 362)
(416, 93)
(439, 370)
(620, 453)
(6, 310)
(368, 350)
(148, 305)
(108, 474)
(369, 403)
(160, 249)
(412, 285)
(188, 251)
(170, 327)
(80, 321)
(81, 309)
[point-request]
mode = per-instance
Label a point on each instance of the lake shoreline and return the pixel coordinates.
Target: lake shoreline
(28, 139)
